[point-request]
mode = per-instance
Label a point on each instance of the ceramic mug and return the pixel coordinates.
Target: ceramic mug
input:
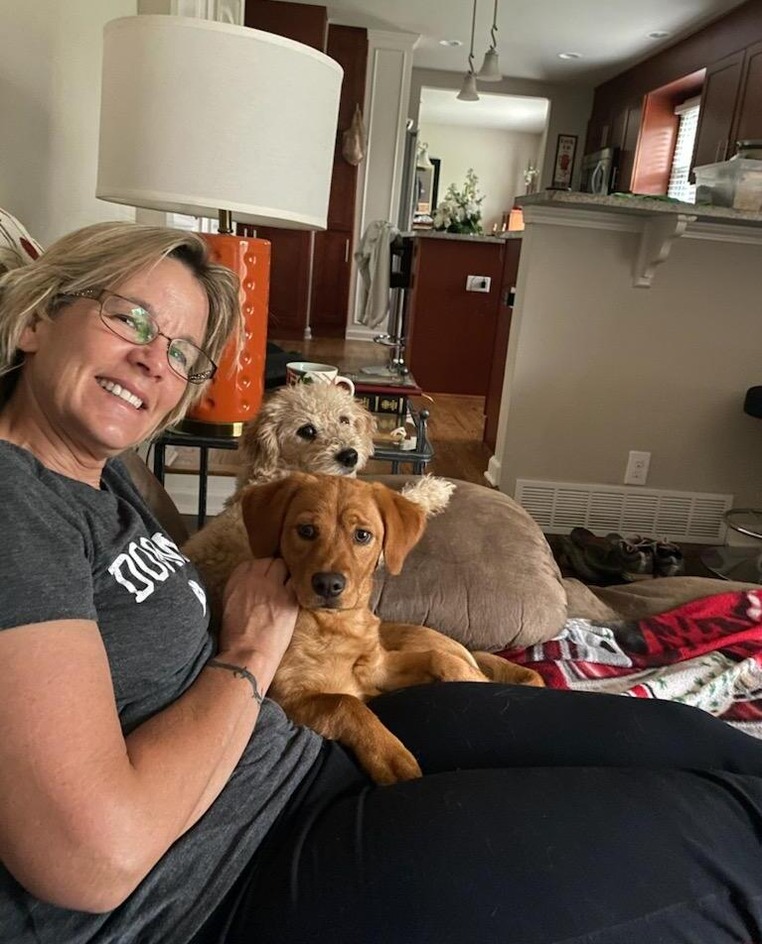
(307, 372)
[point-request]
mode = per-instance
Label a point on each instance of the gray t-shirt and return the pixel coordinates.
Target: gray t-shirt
(75, 552)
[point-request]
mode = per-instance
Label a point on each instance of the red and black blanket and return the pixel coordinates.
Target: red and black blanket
(707, 653)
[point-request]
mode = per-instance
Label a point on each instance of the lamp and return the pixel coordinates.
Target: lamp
(205, 118)
(423, 161)
(490, 70)
(468, 91)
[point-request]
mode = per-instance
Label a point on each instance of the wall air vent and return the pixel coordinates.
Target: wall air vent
(693, 517)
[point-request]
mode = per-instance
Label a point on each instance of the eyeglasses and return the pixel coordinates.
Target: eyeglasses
(133, 323)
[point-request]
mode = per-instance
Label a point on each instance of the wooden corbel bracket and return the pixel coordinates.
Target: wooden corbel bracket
(656, 240)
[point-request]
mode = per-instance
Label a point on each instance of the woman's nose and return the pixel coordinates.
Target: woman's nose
(152, 356)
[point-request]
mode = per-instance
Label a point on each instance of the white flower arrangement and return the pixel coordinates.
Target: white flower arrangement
(460, 210)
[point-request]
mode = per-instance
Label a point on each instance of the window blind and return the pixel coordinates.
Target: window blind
(679, 186)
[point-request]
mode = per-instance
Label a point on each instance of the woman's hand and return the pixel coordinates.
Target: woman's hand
(259, 612)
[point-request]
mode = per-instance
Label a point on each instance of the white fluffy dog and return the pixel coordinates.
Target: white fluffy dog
(306, 428)
(302, 428)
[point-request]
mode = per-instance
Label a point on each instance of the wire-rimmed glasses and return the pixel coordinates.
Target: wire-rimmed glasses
(130, 321)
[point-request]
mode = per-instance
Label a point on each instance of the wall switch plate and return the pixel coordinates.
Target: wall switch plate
(478, 283)
(636, 472)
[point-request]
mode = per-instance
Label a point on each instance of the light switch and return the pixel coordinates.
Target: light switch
(478, 283)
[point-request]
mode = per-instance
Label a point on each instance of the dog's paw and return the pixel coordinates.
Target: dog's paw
(432, 493)
(393, 767)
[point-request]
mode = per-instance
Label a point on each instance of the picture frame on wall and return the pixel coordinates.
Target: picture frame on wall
(563, 165)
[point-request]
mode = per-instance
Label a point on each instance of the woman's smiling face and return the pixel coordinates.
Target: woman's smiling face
(97, 392)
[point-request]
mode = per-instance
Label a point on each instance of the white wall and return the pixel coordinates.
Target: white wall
(597, 367)
(570, 108)
(50, 64)
(499, 159)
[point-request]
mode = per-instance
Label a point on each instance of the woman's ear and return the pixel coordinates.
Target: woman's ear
(29, 339)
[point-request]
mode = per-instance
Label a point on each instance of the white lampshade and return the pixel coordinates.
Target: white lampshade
(199, 116)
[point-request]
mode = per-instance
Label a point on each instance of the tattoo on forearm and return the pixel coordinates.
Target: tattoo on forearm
(240, 672)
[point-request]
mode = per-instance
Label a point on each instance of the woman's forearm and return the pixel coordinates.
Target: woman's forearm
(211, 724)
(85, 813)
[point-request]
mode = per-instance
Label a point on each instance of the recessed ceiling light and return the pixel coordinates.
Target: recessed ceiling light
(570, 55)
(659, 34)
(450, 42)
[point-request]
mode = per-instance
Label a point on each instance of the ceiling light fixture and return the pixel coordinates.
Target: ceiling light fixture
(570, 55)
(468, 91)
(450, 42)
(490, 70)
(423, 161)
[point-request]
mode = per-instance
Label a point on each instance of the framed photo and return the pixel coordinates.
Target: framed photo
(563, 165)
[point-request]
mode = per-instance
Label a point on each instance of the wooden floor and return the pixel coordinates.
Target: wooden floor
(456, 423)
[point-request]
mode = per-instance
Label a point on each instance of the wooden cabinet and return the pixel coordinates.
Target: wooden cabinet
(310, 273)
(332, 262)
(451, 332)
(749, 112)
(731, 106)
(717, 113)
(331, 270)
(625, 132)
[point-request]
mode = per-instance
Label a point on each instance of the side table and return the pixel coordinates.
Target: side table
(386, 396)
(738, 563)
(173, 437)
(419, 457)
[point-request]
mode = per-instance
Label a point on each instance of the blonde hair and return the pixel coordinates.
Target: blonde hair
(101, 257)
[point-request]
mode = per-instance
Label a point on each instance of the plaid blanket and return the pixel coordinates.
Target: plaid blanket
(707, 653)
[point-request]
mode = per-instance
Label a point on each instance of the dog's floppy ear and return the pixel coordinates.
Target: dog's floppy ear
(404, 522)
(258, 446)
(264, 508)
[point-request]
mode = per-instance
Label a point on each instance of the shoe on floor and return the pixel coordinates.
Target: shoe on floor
(668, 559)
(607, 559)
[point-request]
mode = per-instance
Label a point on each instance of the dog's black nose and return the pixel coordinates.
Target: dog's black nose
(328, 585)
(348, 458)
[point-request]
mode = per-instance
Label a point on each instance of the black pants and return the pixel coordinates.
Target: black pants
(542, 816)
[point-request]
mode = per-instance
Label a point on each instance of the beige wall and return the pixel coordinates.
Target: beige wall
(570, 108)
(499, 159)
(597, 367)
(50, 63)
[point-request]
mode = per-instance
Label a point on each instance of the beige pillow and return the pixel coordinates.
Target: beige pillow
(483, 574)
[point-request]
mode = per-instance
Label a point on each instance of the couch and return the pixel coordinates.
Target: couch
(484, 574)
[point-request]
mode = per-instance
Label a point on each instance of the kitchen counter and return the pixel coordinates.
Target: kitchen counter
(465, 237)
(640, 205)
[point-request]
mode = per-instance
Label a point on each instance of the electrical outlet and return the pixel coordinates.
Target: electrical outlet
(636, 472)
(478, 283)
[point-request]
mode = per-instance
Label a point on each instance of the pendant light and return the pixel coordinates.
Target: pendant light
(424, 161)
(490, 70)
(468, 92)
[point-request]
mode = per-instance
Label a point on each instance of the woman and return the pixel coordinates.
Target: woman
(148, 791)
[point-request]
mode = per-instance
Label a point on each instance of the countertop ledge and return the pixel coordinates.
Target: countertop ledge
(465, 237)
(638, 206)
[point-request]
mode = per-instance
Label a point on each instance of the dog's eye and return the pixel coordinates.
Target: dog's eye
(306, 531)
(307, 432)
(362, 536)
(345, 420)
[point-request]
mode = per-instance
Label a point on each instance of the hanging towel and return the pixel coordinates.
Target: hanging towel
(373, 260)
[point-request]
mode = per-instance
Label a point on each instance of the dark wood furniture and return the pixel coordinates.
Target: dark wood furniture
(729, 50)
(457, 340)
(451, 332)
(310, 273)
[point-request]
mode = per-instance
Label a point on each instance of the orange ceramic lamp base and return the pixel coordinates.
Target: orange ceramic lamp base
(235, 394)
